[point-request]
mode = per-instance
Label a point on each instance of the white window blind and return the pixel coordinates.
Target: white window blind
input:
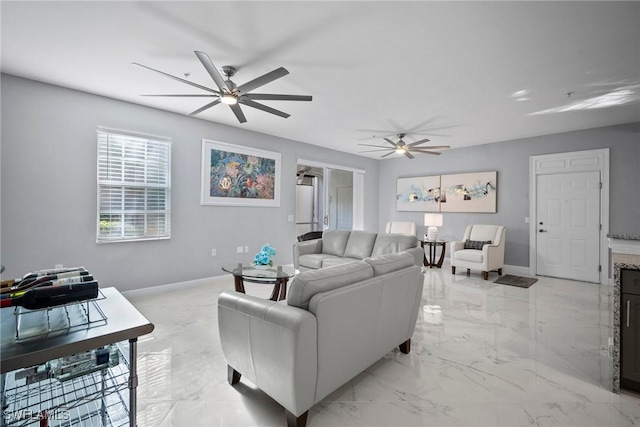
(134, 187)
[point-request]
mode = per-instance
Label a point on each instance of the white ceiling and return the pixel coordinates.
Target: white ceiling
(448, 69)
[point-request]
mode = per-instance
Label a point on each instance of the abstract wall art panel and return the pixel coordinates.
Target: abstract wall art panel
(469, 192)
(418, 194)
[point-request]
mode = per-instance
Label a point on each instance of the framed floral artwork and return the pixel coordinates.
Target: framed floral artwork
(234, 175)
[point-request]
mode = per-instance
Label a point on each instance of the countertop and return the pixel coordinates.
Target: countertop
(624, 236)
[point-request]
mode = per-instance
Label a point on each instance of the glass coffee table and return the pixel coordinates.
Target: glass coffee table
(278, 276)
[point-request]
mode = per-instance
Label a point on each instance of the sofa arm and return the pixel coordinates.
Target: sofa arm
(418, 255)
(273, 344)
(304, 248)
(456, 246)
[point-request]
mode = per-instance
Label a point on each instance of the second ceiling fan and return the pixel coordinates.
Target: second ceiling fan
(231, 94)
(402, 147)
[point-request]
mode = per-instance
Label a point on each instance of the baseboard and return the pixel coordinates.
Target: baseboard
(153, 290)
(516, 270)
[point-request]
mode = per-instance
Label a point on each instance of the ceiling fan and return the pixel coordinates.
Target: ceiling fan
(402, 147)
(231, 94)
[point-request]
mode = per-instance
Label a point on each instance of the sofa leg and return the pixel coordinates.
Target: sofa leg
(293, 421)
(233, 376)
(500, 271)
(485, 275)
(453, 269)
(405, 347)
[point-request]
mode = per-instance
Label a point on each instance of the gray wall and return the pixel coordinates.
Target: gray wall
(511, 160)
(48, 195)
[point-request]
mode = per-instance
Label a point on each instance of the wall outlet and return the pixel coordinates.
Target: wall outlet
(290, 218)
(239, 249)
(246, 249)
(213, 252)
(526, 220)
(58, 266)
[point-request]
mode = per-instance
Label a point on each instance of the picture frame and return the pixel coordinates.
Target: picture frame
(469, 192)
(418, 194)
(235, 175)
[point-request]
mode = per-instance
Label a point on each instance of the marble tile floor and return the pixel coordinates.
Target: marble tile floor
(483, 354)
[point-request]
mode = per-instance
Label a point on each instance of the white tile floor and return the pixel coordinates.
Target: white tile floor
(483, 354)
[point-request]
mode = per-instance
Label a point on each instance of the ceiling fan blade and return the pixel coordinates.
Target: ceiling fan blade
(211, 69)
(377, 146)
(408, 154)
(433, 147)
(426, 152)
(263, 80)
(388, 154)
(390, 142)
(188, 95)
(413, 144)
(250, 103)
(275, 97)
(206, 107)
(177, 78)
(370, 151)
(238, 112)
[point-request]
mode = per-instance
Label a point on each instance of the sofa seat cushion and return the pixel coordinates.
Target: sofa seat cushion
(391, 262)
(472, 255)
(360, 244)
(334, 242)
(330, 262)
(392, 243)
(306, 284)
(314, 260)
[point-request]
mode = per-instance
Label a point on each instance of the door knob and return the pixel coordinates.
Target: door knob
(542, 231)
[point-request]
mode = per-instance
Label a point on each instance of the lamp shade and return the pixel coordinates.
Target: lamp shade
(433, 220)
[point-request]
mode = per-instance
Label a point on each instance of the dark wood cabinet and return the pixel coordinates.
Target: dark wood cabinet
(630, 330)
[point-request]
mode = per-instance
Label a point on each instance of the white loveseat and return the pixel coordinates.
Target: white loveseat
(343, 246)
(337, 322)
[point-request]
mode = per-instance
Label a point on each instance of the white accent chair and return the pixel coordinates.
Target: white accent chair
(482, 248)
(401, 227)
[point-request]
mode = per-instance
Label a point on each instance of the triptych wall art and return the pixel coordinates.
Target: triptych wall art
(234, 175)
(465, 192)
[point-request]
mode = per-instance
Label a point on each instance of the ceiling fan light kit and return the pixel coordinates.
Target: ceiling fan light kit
(231, 94)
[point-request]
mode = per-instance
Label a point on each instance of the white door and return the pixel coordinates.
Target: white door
(344, 207)
(336, 179)
(568, 226)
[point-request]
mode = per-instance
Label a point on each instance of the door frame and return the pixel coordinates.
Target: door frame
(358, 187)
(575, 161)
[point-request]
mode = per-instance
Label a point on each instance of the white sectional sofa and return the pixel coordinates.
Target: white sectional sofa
(336, 322)
(343, 246)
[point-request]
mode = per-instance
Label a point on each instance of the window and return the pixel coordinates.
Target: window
(134, 187)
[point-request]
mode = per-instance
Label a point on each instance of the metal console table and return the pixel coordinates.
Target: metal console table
(121, 322)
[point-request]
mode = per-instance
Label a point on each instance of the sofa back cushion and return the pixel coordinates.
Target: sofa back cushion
(360, 244)
(306, 284)
(392, 243)
(334, 242)
(390, 262)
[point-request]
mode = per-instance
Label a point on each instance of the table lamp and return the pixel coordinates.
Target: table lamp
(433, 221)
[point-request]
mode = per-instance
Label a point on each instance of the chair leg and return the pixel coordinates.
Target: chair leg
(485, 275)
(405, 347)
(233, 376)
(453, 269)
(500, 271)
(293, 421)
